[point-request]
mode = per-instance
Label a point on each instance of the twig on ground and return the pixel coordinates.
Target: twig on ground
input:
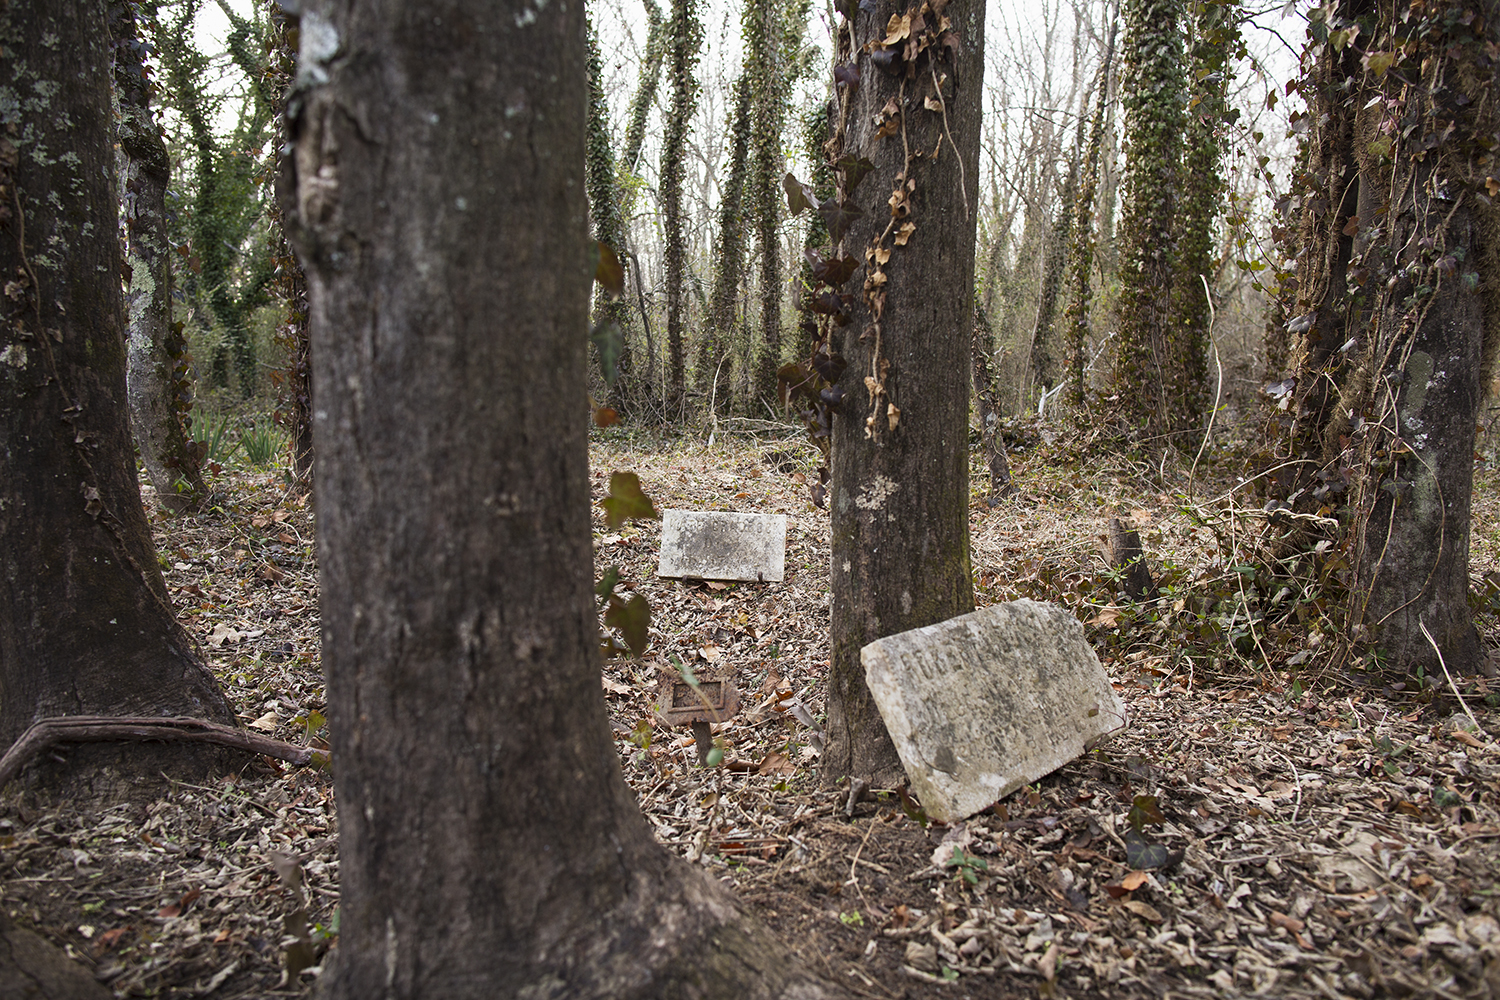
(1451, 686)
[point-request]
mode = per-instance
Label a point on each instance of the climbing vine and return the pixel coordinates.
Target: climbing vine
(917, 48)
(1392, 318)
(1215, 41)
(1080, 266)
(225, 266)
(773, 39)
(645, 93)
(611, 312)
(685, 36)
(728, 258)
(1154, 95)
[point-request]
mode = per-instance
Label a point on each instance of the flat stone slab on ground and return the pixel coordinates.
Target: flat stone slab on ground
(721, 545)
(984, 703)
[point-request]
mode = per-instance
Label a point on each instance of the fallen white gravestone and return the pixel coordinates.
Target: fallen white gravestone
(720, 545)
(984, 703)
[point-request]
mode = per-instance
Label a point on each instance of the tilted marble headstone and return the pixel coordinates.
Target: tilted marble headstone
(721, 545)
(984, 703)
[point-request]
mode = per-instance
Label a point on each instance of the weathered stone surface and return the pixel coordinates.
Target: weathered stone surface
(719, 545)
(984, 703)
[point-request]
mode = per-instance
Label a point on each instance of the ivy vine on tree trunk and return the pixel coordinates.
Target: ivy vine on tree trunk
(684, 36)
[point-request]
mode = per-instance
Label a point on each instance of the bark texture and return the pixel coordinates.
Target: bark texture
(987, 396)
(1396, 315)
(85, 623)
(1427, 354)
(1147, 367)
(32, 968)
(900, 487)
(156, 375)
(489, 846)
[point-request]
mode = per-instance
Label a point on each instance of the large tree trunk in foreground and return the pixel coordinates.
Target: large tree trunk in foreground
(159, 388)
(85, 623)
(489, 845)
(900, 449)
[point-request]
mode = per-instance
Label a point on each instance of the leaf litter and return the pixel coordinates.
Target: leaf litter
(1255, 829)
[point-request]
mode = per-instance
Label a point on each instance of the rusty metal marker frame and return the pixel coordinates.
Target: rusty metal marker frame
(678, 704)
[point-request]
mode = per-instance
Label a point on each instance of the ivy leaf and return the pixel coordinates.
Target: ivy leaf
(949, 40)
(854, 168)
(1143, 855)
(633, 619)
(909, 805)
(641, 734)
(829, 365)
(799, 196)
(1379, 63)
(846, 75)
(847, 7)
(888, 60)
(626, 500)
(608, 271)
(794, 380)
(897, 28)
(605, 588)
(611, 343)
(829, 303)
(1145, 809)
(839, 216)
(833, 272)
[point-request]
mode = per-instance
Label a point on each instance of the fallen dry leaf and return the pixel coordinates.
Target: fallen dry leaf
(776, 763)
(266, 723)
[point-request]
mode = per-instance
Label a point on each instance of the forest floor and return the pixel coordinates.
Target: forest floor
(1325, 835)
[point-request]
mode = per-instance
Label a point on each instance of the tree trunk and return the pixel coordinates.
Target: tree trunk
(488, 843)
(159, 389)
(1436, 268)
(1322, 315)
(85, 623)
(1214, 31)
(714, 376)
(987, 395)
(684, 35)
(900, 448)
(604, 202)
(1081, 252)
(1396, 319)
(1045, 366)
(767, 68)
(1147, 368)
(290, 285)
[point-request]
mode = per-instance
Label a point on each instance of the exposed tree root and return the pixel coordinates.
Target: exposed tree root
(107, 729)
